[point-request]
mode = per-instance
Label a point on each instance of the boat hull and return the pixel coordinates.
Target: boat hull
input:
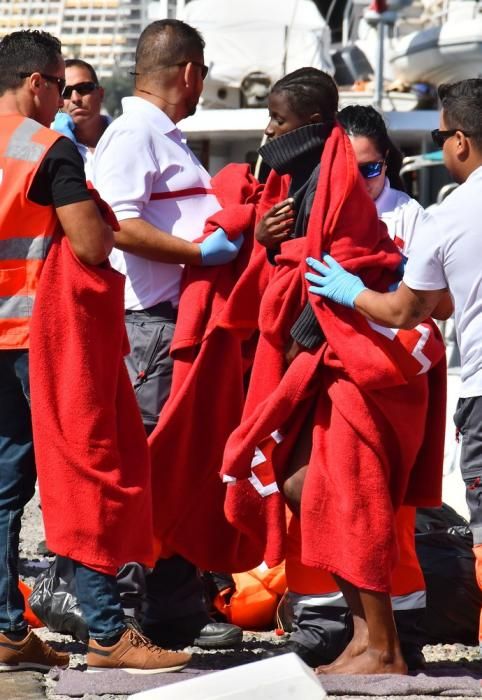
(437, 55)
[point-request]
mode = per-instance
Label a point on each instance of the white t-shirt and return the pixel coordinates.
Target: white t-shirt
(401, 214)
(144, 169)
(447, 252)
(88, 154)
(88, 158)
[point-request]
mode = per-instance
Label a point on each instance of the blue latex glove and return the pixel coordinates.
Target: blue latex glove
(64, 124)
(217, 249)
(333, 282)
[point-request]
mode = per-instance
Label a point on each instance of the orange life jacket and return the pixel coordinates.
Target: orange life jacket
(407, 576)
(26, 228)
(29, 615)
(478, 574)
(253, 602)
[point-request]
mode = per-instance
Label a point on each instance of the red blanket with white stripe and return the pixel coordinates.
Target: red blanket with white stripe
(212, 348)
(375, 398)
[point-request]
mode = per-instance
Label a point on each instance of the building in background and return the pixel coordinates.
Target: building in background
(105, 32)
(102, 32)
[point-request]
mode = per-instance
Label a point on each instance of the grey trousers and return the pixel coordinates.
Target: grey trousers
(149, 364)
(468, 420)
(173, 589)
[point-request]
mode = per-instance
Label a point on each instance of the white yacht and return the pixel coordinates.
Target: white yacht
(447, 48)
(426, 41)
(250, 45)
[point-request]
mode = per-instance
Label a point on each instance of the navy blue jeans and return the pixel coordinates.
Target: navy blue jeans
(97, 593)
(17, 479)
(99, 600)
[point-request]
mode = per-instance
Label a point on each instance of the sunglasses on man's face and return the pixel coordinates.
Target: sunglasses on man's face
(369, 170)
(82, 89)
(204, 68)
(60, 82)
(439, 137)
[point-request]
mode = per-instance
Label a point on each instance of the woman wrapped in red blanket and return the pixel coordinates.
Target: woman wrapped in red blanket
(212, 349)
(357, 407)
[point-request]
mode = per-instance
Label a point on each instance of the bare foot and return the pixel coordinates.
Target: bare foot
(368, 662)
(354, 648)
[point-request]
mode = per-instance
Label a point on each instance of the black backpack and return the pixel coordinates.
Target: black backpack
(444, 547)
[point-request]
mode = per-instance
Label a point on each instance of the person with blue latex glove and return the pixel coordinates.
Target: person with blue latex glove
(162, 196)
(443, 271)
(217, 249)
(333, 282)
(64, 124)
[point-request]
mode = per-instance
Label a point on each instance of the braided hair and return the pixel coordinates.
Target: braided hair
(309, 91)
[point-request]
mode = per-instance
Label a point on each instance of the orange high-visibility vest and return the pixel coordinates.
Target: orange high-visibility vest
(26, 228)
(407, 576)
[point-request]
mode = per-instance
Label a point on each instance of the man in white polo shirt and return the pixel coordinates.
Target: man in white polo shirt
(162, 196)
(446, 254)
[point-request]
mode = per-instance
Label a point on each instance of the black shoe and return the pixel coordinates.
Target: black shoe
(193, 631)
(218, 635)
(310, 657)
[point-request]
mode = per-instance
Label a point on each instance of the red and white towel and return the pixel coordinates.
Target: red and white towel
(375, 398)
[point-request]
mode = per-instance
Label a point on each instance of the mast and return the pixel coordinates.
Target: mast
(378, 15)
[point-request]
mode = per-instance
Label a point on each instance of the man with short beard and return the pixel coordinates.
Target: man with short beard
(162, 196)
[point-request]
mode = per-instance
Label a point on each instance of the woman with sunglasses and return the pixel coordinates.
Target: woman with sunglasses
(379, 162)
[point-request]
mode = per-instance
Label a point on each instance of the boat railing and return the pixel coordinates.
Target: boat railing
(410, 15)
(445, 191)
(347, 24)
(437, 13)
(411, 164)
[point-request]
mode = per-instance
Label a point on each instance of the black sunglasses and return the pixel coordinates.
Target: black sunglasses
(440, 137)
(369, 170)
(202, 66)
(182, 64)
(84, 88)
(60, 82)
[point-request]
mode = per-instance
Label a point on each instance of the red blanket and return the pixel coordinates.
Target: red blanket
(90, 446)
(368, 391)
(212, 347)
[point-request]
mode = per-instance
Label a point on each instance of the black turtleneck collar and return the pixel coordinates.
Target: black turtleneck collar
(298, 150)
